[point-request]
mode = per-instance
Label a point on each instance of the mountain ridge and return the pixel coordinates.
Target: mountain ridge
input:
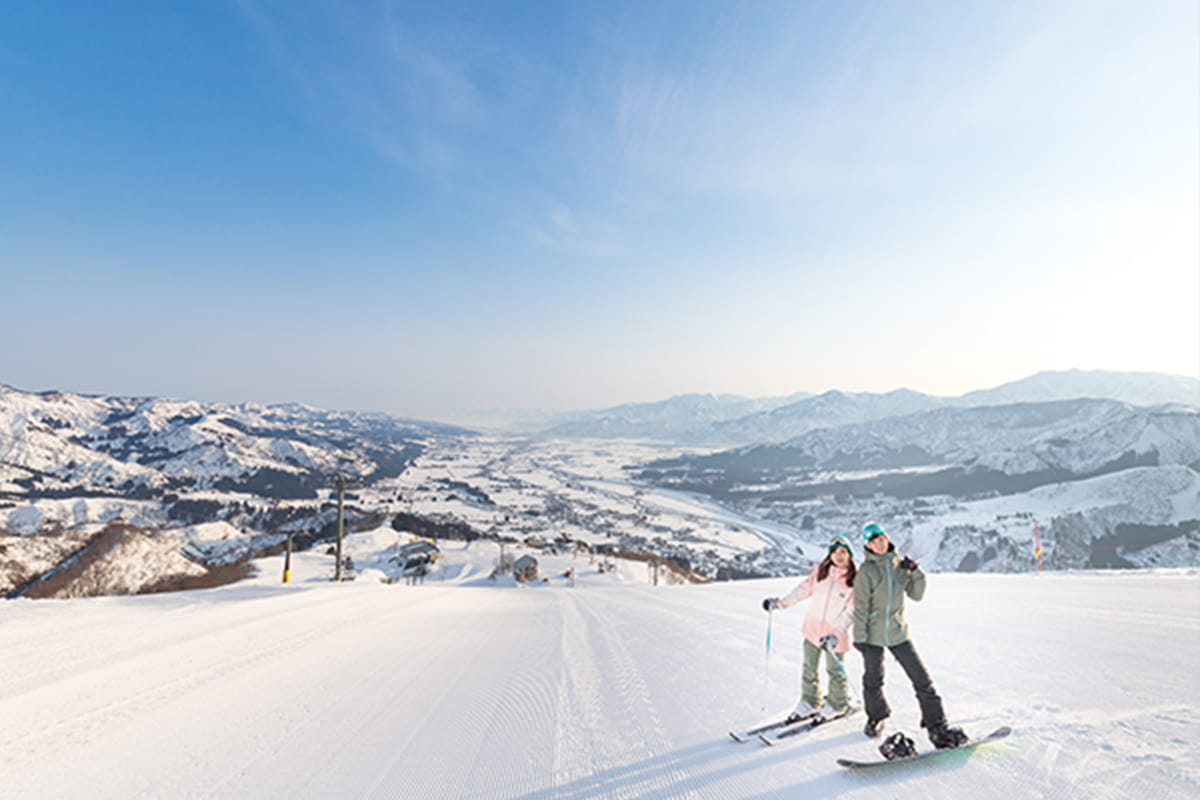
(72, 466)
(785, 418)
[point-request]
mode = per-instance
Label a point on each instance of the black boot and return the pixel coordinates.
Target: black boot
(898, 746)
(943, 736)
(873, 728)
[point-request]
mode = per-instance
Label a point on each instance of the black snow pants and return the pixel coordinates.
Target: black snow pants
(876, 704)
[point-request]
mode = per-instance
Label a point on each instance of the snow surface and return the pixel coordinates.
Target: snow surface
(467, 688)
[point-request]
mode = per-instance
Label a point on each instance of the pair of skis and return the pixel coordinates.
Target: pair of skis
(774, 732)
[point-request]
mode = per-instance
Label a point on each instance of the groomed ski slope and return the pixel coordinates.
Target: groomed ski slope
(462, 688)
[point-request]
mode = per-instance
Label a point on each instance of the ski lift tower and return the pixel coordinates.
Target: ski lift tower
(341, 483)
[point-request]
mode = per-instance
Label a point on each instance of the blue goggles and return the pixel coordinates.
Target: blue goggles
(871, 530)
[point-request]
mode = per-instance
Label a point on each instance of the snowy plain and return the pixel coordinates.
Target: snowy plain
(464, 687)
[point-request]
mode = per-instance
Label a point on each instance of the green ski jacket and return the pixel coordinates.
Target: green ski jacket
(879, 590)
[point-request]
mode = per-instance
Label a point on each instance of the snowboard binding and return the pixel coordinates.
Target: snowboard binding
(898, 746)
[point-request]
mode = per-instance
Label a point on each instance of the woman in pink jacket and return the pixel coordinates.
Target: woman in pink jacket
(826, 627)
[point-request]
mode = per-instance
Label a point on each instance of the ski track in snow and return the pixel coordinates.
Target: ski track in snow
(364, 690)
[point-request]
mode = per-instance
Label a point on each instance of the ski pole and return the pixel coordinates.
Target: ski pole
(767, 660)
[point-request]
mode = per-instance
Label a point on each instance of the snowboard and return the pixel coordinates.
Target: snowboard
(995, 735)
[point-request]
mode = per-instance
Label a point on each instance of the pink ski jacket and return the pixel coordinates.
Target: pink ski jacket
(831, 609)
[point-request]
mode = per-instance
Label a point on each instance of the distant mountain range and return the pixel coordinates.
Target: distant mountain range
(683, 417)
(732, 420)
(198, 488)
(1135, 388)
(956, 451)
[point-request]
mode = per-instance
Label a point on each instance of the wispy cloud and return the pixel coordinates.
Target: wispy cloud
(653, 107)
(559, 229)
(783, 102)
(409, 94)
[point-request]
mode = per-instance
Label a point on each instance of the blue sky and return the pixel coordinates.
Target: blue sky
(417, 207)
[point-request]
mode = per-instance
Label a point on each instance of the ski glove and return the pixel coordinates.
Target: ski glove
(770, 603)
(829, 641)
(908, 564)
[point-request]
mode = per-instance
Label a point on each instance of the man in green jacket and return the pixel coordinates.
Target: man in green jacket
(879, 591)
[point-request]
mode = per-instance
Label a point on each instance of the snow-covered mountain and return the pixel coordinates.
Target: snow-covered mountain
(1073, 436)
(1135, 388)
(1139, 517)
(90, 481)
(708, 420)
(1108, 483)
(187, 491)
(826, 410)
(681, 418)
(969, 450)
(63, 444)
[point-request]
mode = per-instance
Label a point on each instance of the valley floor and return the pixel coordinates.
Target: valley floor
(464, 689)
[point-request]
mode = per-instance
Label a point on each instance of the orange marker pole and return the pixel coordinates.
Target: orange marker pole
(1037, 539)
